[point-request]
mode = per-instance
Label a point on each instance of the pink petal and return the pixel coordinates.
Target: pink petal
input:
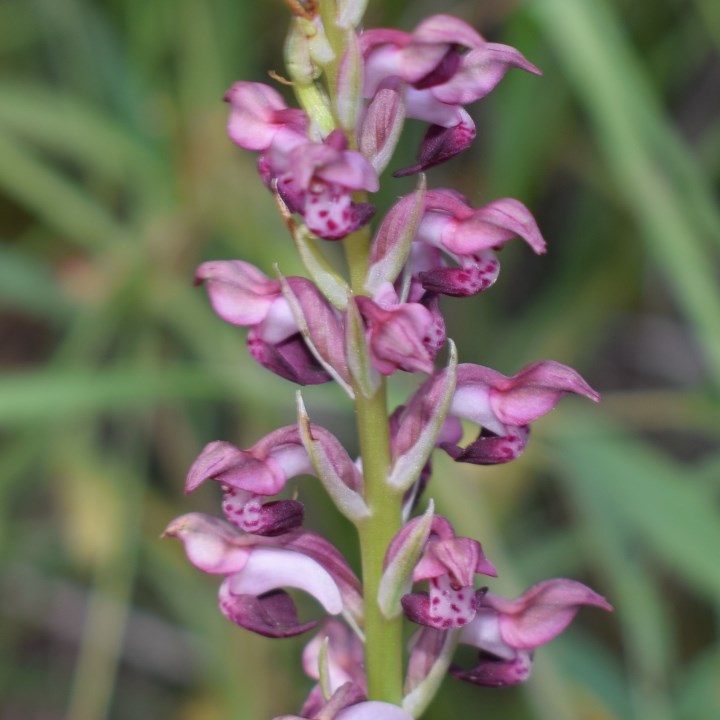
(447, 29)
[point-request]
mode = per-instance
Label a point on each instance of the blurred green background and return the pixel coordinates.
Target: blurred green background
(117, 179)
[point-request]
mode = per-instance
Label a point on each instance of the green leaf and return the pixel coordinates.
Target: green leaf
(63, 205)
(652, 170)
(54, 394)
(653, 500)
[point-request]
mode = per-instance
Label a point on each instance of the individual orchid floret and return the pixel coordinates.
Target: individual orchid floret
(506, 632)
(257, 568)
(317, 180)
(400, 336)
(314, 179)
(504, 406)
(440, 78)
(449, 564)
(249, 476)
(470, 237)
(242, 295)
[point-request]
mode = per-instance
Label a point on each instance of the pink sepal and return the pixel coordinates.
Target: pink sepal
(447, 29)
(239, 293)
(480, 70)
(258, 113)
(253, 470)
(487, 228)
(542, 612)
(211, 544)
(495, 401)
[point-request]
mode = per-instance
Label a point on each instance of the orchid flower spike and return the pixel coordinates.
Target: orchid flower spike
(257, 568)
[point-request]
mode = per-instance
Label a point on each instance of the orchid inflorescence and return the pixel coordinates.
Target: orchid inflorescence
(357, 88)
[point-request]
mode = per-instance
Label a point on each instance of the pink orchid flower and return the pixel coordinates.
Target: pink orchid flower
(257, 568)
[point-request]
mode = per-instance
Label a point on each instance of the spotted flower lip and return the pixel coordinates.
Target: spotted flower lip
(256, 570)
(507, 631)
(449, 564)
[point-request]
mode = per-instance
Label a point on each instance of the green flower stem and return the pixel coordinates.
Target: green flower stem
(383, 637)
(357, 250)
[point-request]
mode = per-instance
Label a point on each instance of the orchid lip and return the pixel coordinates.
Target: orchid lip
(271, 568)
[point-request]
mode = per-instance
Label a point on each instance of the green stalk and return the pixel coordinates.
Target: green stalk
(383, 637)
